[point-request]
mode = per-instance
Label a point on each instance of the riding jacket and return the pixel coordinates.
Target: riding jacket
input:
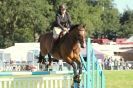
(63, 22)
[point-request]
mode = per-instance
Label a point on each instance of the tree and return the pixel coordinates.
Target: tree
(110, 23)
(126, 21)
(110, 19)
(21, 20)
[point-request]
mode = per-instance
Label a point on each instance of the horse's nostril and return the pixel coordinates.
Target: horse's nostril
(83, 45)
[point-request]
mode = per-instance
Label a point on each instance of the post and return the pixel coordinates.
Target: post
(85, 70)
(93, 68)
(88, 84)
(76, 85)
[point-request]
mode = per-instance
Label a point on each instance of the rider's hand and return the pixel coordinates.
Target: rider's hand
(65, 29)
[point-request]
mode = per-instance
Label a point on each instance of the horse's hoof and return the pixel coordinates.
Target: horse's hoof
(77, 78)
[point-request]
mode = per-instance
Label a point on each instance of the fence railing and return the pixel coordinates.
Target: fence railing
(37, 82)
(93, 75)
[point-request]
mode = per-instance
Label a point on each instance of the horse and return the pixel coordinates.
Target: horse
(68, 48)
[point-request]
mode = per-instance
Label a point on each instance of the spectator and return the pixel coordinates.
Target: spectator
(60, 65)
(115, 64)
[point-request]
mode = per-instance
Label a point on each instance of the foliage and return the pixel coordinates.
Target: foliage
(21, 20)
(110, 23)
(126, 20)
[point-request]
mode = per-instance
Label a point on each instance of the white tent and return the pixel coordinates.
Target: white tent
(106, 49)
(20, 51)
(130, 39)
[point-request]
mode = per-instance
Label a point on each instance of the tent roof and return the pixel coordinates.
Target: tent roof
(98, 54)
(130, 39)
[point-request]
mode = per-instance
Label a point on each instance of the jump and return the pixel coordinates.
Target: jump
(67, 49)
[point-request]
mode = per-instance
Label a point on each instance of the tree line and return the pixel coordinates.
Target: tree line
(25, 20)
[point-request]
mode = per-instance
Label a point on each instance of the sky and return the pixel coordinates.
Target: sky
(123, 4)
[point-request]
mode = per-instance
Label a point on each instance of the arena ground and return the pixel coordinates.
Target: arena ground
(119, 79)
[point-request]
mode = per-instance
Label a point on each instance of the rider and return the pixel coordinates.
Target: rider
(62, 23)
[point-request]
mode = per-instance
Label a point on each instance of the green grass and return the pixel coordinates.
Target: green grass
(119, 79)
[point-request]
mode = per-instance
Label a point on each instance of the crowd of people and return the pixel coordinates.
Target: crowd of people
(111, 63)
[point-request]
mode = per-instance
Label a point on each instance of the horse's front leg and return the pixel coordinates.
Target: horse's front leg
(74, 65)
(76, 77)
(80, 68)
(78, 61)
(79, 65)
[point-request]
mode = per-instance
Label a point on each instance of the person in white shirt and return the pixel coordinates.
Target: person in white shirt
(60, 65)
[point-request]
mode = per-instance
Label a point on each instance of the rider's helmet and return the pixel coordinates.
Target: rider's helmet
(62, 7)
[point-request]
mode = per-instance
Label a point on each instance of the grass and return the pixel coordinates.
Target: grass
(119, 79)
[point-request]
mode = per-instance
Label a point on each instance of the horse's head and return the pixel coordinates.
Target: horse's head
(79, 33)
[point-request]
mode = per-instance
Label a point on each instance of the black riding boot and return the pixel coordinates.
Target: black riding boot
(56, 44)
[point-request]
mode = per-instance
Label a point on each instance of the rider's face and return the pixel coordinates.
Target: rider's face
(63, 11)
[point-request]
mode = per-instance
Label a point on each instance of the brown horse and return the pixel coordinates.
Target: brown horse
(68, 48)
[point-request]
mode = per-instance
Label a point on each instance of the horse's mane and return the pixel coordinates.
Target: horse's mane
(76, 26)
(73, 27)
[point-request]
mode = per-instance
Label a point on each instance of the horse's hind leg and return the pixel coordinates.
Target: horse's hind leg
(49, 59)
(41, 59)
